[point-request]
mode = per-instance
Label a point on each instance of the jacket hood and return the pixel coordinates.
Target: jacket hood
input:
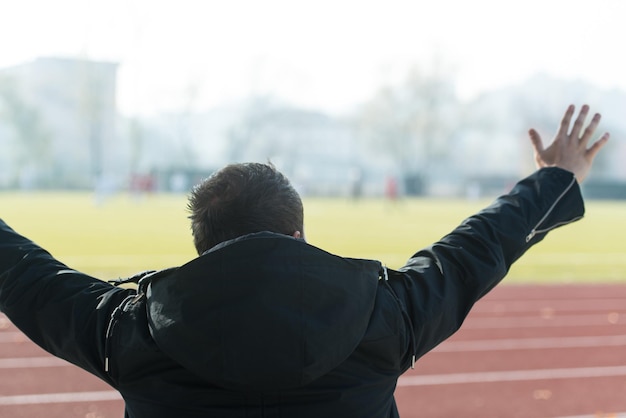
(263, 312)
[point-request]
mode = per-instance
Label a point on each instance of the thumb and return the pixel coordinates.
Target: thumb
(536, 141)
(593, 150)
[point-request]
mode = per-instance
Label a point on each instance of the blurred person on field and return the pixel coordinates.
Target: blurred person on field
(263, 323)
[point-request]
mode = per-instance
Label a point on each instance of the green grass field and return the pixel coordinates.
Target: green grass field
(126, 235)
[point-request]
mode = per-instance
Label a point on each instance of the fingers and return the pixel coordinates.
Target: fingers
(564, 127)
(580, 120)
(590, 129)
(593, 150)
(536, 141)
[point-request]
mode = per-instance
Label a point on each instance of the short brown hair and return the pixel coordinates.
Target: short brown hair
(241, 199)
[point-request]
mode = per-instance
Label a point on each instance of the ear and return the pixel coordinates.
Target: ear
(296, 234)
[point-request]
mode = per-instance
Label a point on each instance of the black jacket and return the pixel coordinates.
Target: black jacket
(269, 326)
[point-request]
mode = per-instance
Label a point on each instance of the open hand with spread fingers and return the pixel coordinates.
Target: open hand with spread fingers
(570, 149)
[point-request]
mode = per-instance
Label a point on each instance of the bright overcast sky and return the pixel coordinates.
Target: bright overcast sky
(328, 54)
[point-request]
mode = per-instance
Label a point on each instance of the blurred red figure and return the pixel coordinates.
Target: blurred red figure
(391, 188)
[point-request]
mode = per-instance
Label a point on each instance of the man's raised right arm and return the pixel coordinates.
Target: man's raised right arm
(440, 284)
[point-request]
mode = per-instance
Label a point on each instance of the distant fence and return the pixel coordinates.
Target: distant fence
(592, 188)
(604, 189)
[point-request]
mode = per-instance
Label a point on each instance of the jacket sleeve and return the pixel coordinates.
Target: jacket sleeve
(63, 311)
(439, 284)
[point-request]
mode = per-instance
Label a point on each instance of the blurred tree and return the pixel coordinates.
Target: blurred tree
(264, 131)
(184, 135)
(32, 161)
(412, 122)
(137, 140)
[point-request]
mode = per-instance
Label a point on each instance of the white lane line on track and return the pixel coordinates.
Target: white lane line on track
(511, 376)
(12, 337)
(599, 415)
(565, 305)
(451, 346)
(32, 362)
(546, 320)
(69, 397)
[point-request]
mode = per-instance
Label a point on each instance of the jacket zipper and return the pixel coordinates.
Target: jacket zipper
(536, 229)
(405, 315)
(109, 333)
(111, 327)
(123, 307)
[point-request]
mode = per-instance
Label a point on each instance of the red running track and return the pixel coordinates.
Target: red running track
(524, 351)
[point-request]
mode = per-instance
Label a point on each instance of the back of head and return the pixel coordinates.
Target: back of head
(241, 199)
